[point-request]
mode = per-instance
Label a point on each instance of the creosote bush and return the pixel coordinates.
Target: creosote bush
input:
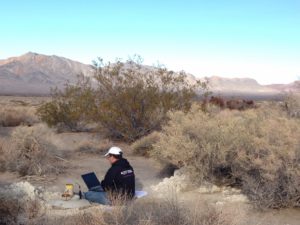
(128, 100)
(71, 108)
(257, 149)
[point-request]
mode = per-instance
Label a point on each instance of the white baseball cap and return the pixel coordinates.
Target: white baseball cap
(114, 151)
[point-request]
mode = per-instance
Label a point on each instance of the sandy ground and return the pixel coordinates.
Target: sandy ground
(146, 171)
(77, 163)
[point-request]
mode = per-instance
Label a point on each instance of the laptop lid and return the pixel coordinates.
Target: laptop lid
(91, 180)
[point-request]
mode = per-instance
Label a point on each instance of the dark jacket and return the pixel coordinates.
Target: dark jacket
(120, 178)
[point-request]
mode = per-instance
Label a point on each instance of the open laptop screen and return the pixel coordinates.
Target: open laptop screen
(91, 180)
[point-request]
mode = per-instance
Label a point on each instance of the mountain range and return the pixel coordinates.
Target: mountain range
(36, 74)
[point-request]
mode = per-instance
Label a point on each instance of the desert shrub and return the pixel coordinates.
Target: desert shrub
(134, 99)
(168, 210)
(292, 104)
(16, 206)
(11, 116)
(70, 108)
(144, 145)
(19, 102)
(11, 209)
(256, 149)
(154, 211)
(240, 104)
(149, 212)
(236, 104)
(129, 100)
(2, 159)
(86, 217)
(29, 153)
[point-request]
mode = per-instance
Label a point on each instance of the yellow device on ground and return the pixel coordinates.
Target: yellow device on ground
(69, 192)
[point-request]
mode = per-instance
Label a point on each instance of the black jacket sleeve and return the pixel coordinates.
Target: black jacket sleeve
(108, 183)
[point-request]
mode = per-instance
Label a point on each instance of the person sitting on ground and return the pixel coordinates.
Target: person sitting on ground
(119, 180)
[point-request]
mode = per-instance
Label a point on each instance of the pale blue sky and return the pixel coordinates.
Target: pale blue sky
(232, 38)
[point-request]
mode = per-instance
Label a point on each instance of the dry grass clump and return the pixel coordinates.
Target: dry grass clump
(150, 212)
(12, 210)
(144, 145)
(17, 206)
(23, 100)
(28, 152)
(292, 104)
(11, 116)
(165, 211)
(2, 158)
(85, 217)
(256, 149)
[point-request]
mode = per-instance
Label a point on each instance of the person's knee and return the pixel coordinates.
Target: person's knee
(98, 197)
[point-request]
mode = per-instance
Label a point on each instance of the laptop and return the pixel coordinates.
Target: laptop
(92, 182)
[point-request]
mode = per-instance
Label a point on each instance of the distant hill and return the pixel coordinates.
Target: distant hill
(294, 87)
(35, 74)
(238, 85)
